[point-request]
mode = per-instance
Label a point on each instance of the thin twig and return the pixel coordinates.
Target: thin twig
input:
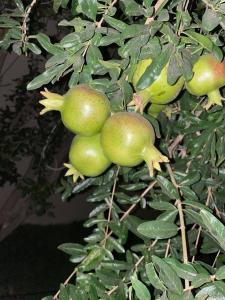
(167, 248)
(209, 197)
(182, 222)
(142, 257)
(128, 211)
(111, 205)
(218, 253)
(65, 283)
(196, 242)
(109, 293)
(149, 20)
(99, 24)
(24, 27)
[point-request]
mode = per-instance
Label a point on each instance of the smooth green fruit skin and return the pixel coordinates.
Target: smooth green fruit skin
(85, 110)
(209, 75)
(124, 138)
(87, 157)
(159, 92)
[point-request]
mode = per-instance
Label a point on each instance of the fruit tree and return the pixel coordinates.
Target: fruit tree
(143, 97)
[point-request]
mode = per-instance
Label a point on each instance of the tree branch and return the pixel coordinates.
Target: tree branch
(24, 27)
(182, 222)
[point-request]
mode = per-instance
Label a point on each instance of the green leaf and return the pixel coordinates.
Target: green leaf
(200, 279)
(169, 33)
(168, 275)
(188, 193)
(93, 295)
(210, 20)
(46, 44)
(132, 223)
(214, 226)
(158, 229)
(89, 8)
(190, 178)
(56, 5)
(147, 3)
(208, 290)
(168, 215)
(174, 70)
(45, 77)
(93, 259)
(63, 295)
(72, 249)
(220, 273)
(34, 48)
(153, 277)
(186, 64)
(108, 277)
(71, 40)
(203, 40)
(116, 245)
(162, 205)
(220, 285)
(220, 149)
(194, 216)
(116, 265)
(141, 290)
(154, 69)
(196, 204)
(167, 187)
(132, 8)
(185, 271)
(115, 23)
(20, 5)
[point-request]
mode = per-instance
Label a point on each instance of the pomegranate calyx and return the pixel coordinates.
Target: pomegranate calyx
(139, 100)
(153, 157)
(52, 101)
(214, 97)
(72, 171)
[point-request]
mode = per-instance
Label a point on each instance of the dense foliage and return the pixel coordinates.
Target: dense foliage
(158, 237)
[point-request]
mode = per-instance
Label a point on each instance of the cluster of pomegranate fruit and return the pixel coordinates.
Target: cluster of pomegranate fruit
(102, 138)
(208, 78)
(125, 138)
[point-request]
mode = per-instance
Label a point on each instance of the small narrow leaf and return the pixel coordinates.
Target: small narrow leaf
(214, 226)
(154, 69)
(89, 8)
(203, 40)
(20, 5)
(220, 273)
(210, 20)
(158, 229)
(153, 277)
(168, 275)
(167, 187)
(141, 290)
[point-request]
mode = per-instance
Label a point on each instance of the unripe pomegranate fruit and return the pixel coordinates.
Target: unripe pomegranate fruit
(86, 157)
(159, 92)
(83, 109)
(209, 76)
(128, 138)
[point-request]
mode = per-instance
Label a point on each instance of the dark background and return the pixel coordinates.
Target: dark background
(31, 266)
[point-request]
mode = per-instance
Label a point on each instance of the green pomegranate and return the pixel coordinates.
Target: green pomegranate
(83, 109)
(86, 157)
(159, 92)
(209, 76)
(128, 138)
